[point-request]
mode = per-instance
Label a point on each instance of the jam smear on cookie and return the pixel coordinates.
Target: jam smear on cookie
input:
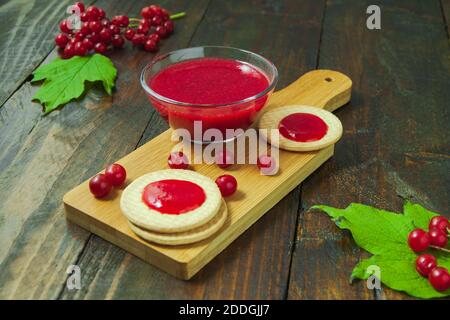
(173, 196)
(303, 127)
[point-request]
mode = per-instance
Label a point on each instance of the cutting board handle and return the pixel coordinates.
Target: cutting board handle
(326, 89)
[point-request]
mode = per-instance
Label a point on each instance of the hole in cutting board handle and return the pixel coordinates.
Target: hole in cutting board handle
(328, 79)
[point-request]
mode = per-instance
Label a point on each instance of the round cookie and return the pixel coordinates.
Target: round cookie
(272, 119)
(190, 236)
(140, 214)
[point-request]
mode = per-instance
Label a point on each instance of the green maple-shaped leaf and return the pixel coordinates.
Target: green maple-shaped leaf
(65, 79)
(385, 234)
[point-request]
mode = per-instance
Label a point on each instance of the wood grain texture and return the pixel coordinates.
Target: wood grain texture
(257, 264)
(323, 88)
(46, 156)
(445, 4)
(395, 143)
(27, 30)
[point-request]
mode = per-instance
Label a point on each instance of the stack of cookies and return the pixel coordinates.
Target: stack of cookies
(173, 207)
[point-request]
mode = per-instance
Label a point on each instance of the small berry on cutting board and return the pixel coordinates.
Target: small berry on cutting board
(100, 185)
(178, 160)
(224, 158)
(116, 174)
(227, 184)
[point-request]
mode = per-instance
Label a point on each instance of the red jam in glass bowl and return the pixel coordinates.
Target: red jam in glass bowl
(222, 87)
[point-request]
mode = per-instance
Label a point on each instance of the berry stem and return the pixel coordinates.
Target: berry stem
(439, 248)
(172, 17)
(177, 15)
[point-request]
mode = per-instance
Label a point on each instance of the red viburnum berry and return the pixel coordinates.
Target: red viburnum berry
(227, 184)
(439, 222)
(116, 174)
(425, 263)
(93, 13)
(80, 6)
(146, 13)
(100, 185)
(105, 35)
(88, 44)
(439, 279)
(61, 40)
(64, 26)
(419, 240)
(100, 47)
(129, 34)
(117, 41)
(438, 238)
(169, 26)
(178, 160)
(151, 46)
(138, 39)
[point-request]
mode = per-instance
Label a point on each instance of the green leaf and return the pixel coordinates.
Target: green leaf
(385, 234)
(374, 230)
(399, 273)
(53, 69)
(65, 79)
(419, 215)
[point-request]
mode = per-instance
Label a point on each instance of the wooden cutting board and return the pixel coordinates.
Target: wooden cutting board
(256, 193)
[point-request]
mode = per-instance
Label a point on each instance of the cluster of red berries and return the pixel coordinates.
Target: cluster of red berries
(101, 184)
(155, 25)
(437, 237)
(97, 33)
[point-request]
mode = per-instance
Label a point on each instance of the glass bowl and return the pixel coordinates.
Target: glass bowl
(235, 115)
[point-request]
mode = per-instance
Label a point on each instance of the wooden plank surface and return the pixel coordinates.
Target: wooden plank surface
(445, 4)
(47, 156)
(404, 64)
(27, 31)
(257, 264)
(395, 143)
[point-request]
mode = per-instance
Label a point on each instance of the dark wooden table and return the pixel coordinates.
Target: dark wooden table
(396, 145)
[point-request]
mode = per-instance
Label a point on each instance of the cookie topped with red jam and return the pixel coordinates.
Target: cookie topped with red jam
(171, 200)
